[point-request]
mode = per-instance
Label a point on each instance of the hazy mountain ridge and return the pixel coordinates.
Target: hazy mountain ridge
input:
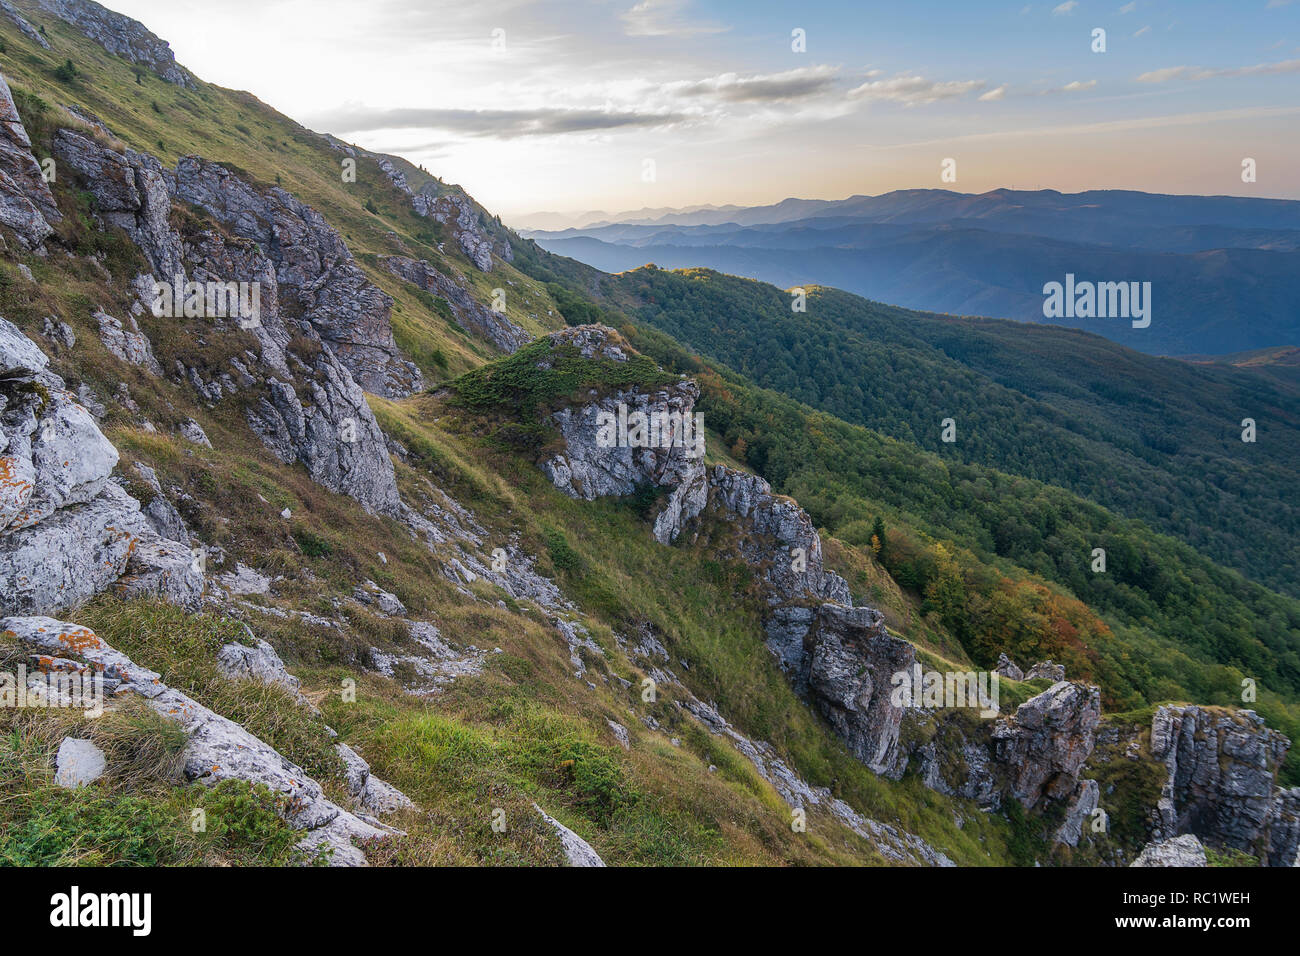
(1222, 270)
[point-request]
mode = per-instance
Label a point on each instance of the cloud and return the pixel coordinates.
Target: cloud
(994, 95)
(1144, 30)
(1128, 7)
(1162, 75)
(1065, 9)
(914, 90)
(1075, 86)
(665, 18)
(1201, 73)
(498, 123)
(759, 88)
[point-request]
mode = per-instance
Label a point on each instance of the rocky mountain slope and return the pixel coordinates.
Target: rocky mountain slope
(355, 576)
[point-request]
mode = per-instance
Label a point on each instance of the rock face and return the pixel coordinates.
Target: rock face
(1183, 850)
(67, 531)
(846, 672)
(494, 326)
(313, 266)
(840, 657)
(217, 748)
(777, 535)
(1045, 744)
(122, 36)
(1284, 829)
(132, 191)
(596, 464)
(311, 409)
(26, 204)
(1222, 771)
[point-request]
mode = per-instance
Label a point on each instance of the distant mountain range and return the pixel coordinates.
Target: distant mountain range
(1224, 271)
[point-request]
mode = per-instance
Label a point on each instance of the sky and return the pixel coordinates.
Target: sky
(584, 105)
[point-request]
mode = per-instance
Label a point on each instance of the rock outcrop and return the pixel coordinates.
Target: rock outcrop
(1222, 773)
(1183, 850)
(466, 310)
(12, 14)
(598, 460)
(67, 530)
(312, 265)
(311, 409)
(122, 36)
(577, 851)
(217, 749)
(26, 204)
(1046, 742)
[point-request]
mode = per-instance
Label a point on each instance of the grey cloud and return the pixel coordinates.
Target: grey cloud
(761, 88)
(503, 124)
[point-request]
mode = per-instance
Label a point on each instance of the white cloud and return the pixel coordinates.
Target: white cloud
(1065, 8)
(994, 95)
(1128, 7)
(1075, 86)
(665, 18)
(1144, 30)
(1162, 75)
(914, 90)
(1201, 73)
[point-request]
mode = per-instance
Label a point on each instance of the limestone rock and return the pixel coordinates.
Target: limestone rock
(78, 763)
(132, 191)
(217, 748)
(1046, 742)
(27, 30)
(1284, 828)
(314, 266)
(244, 580)
(1183, 850)
(193, 432)
(1222, 767)
(1086, 799)
(1008, 668)
(158, 510)
(1046, 670)
(577, 851)
(469, 313)
(163, 569)
(259, 663)
(620, 734)
(26, 204)
(127, 342)
(849, 666)
(370, 793)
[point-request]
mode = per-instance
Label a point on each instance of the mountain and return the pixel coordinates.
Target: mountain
(336, 499)
(1221, 269)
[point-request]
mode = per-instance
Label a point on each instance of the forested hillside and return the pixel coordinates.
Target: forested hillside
(1151, 438)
